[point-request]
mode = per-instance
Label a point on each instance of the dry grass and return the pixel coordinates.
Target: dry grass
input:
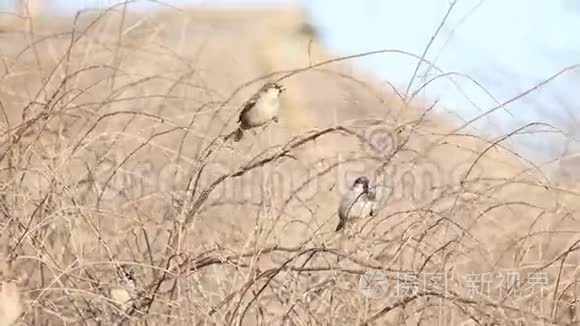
(112, 169)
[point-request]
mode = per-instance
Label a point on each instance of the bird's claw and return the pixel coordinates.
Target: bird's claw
(290, 155)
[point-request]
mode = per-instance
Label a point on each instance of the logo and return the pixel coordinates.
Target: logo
(382, 140)
(373, 284)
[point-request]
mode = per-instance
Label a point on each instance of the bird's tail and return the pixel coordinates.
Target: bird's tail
(236, 135)
(239, 133)
(340, 225)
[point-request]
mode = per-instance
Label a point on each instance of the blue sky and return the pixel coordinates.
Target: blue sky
(506, 46)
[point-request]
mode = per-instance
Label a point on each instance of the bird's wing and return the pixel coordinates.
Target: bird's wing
(344, 206)
(377, 197)
(248, 106)
(371, 202)
(371, 195)
(348, 201)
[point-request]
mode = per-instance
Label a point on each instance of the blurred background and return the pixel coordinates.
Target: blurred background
(506, 47)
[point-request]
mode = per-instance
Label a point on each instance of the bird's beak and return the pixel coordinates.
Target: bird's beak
(282, 88)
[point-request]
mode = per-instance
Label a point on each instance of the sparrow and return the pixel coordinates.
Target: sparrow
(10, 294)
(125, 290)
(259, 110)
(359, 201)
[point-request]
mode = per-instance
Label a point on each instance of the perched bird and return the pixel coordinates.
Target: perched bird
(10, 298)
(259, 110)
(125, 292)
(358, 202)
